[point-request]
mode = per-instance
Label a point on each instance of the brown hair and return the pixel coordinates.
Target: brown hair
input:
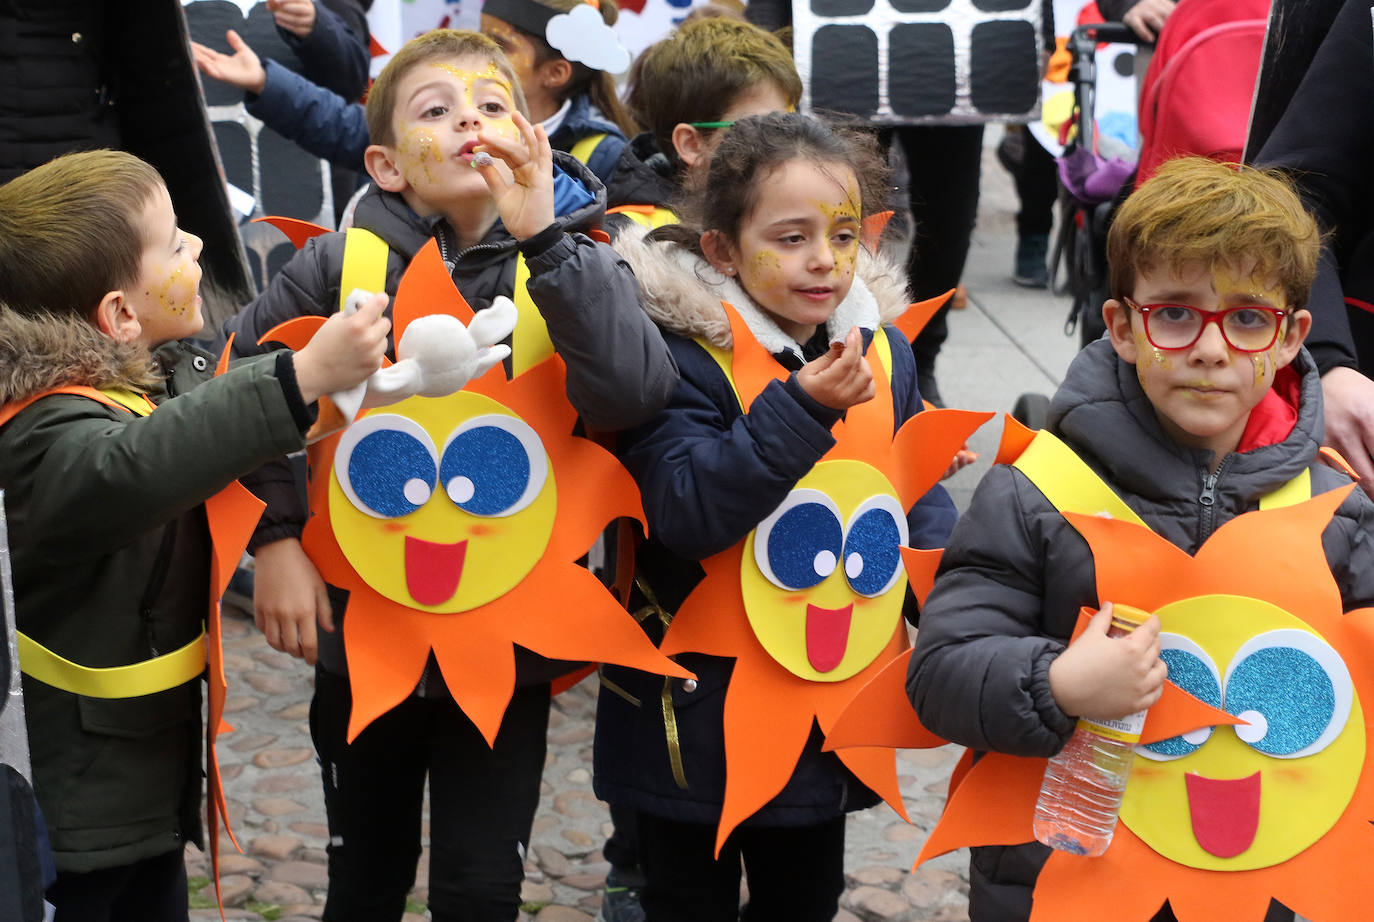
(599, 85)
(71, 231)
(697, 73)
(1195, 210)
(751, 150)
(435, 45)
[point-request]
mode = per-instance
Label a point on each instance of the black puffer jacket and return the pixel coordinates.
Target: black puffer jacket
(1015, 574)
(111, 558)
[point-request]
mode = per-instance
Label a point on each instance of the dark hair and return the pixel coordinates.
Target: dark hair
(751, 150)
(698, 71)
(597, 84)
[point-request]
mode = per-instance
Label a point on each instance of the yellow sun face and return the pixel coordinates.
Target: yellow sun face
(822, 577)
(442, 504)
(1256, 794)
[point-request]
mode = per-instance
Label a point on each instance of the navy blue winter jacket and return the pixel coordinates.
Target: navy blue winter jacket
(708, 473)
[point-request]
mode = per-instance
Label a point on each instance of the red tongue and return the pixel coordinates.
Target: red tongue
(827, 635)
(433, 570)
(1225, 813)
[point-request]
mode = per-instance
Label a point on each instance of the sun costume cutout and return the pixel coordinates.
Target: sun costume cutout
(1251, 780)
(455, 523)
(809, 604)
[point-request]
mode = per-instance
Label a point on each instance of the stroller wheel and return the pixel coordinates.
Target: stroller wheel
(1031, 410)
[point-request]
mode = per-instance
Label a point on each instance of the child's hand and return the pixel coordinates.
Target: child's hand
(525, 201)
(289, 598)
(242, 69)
(295, 16)
(841, 378)
(1105, 677)
(344, 352)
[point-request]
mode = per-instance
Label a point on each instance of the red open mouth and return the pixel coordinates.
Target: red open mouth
(433, 570)
(1224, 811)
(827, 635)
(466, 151)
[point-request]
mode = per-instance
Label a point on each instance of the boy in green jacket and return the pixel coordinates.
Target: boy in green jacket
(111, 545)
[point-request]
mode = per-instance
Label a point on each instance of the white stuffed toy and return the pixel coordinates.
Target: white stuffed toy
(436, 356)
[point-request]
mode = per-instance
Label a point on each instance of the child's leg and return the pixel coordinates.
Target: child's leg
(683, 881)
(482, 802)
(795, 873)
(151, 890)
(373, 791)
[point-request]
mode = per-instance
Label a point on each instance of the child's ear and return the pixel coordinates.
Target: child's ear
(117, 319)
(718, 251)
(1295, 330)
(380, 161)
(689, 144)
(555, 73)
(1117, 317)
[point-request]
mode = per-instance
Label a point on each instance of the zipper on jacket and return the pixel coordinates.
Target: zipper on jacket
(1208, 499)
(161, 565)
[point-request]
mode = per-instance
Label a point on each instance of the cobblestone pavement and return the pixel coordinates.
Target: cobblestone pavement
(1010, 340)
(277, 812)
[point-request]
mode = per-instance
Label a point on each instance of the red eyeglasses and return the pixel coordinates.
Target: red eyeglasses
(1246, 327)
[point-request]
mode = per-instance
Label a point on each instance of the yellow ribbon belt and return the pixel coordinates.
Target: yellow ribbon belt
(154, 675)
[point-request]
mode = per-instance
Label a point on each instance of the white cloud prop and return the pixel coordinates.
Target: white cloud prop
(583, 36)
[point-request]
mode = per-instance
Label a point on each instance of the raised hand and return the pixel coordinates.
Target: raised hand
(841, 378)
(295, 16)
(525, 200)
(242, 69)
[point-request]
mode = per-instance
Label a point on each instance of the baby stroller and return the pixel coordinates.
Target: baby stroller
(1195, 99)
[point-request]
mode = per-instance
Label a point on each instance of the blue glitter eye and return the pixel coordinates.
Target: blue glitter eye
(799, 544)
(1191, 670)
(1293, 689)
(493, 466)
(385, 465)
(872, 559)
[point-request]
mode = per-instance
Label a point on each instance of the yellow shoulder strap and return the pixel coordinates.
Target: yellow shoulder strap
(132, 681)
(1071, 486)
(584, 149)
(364, 264)
(135, 402)
(646, 216)
(530, 343)
(1067, 481)
(884, 347)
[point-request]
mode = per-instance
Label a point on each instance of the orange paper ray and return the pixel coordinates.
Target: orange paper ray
(878, 770)
(871, 229)
(880, 714)
(1015, 438)
(294, 333)
(296, 230)
(921, 567)
(918, 314)
(754, 738)
(991, 806)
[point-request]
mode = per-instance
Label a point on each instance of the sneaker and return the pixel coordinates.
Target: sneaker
(620, 901)
(1031, 270)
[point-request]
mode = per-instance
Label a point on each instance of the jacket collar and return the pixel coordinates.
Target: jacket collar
(42, 352)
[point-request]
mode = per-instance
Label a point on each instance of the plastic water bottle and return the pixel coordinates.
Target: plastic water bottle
(1080, 797)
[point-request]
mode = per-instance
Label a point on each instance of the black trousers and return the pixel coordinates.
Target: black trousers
(795, 873)
(1037, 188)
(945, 166)
(151, 890)
(482, 803)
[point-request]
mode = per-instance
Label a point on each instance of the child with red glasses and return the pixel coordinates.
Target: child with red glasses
(1200, 401)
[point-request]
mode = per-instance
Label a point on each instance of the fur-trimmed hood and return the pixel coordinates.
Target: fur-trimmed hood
(42, 352)
(682, 293)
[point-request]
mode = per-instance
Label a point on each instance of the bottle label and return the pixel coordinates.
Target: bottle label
(1124, 729)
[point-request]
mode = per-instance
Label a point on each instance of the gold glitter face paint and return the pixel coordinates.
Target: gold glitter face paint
(488, 77)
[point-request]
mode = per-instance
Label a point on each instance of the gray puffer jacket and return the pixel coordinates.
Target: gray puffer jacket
(1015, 573)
